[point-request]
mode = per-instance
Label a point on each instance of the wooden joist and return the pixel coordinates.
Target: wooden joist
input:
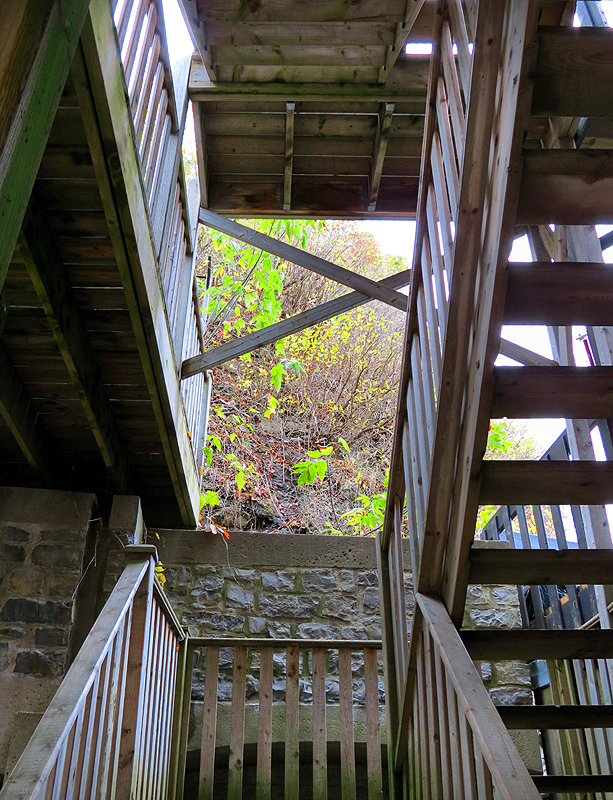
(574, 72)
(523, 355)
(272, 333)
(378, 157)
(546, 482)
(52, 286)
(556, 717)
(288, 168)
(403, 29)
(566, 187)
(556, 784)
(540, 567)
(560, 293)
(556, 392)
(303, 259)
(528, 645)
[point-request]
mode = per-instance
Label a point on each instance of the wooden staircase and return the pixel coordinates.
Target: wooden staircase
(499, 153)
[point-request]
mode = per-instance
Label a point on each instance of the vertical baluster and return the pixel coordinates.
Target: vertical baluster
(76, 755)
(153, 76)
(431, 313)
(468, 758)
(437, 260)
(264, 774)
(159, 161)
(122, 22)
(209, 725)
(237, 724)
(62, 762)
(452, 92)
(171, 684)
(444, 153)
(434, 735)
(461, 37)
(416, 466)
(292, 722)
(159, 763)
(320, 737)
(92, 737)
(150, 115)
(416, 755)
(373, 739)
(457, 775)
(140, 65)
(128, 50)
(148, 735)
(444, 719)
(154, 144)
(400, 617)
(441, 185)
(424, 402)
(484, 779)
(423, 435)
(431, 367)
(424, 733)
(345, 686)
(408, 480)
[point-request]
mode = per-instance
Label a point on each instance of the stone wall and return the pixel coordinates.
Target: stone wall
(44, 545)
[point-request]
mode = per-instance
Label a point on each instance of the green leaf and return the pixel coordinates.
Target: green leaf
(343, 443)
(240, 480)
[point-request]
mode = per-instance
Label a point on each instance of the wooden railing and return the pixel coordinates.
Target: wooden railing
(159, 117)
(458, 745)
(327, 672)
(108, 730)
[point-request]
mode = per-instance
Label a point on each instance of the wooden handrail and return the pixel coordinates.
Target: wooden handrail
(281, 644)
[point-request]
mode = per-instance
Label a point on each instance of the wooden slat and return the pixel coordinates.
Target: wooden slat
(573, 783)
(568, 187)
(292, 724)
(560, 293)
(373, 738)
(290, 109)
(320, 738)
(403, 30)
(556, 717)
(209, 725)
(303, 259)
(546, 482)
(573, 70)
(557, 392)
(264, 744)
(345, 688)
(272, 333)
(237, 724)
(540, 567)
(527, 645)
(523, 355)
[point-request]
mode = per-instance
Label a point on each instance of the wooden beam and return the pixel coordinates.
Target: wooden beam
(555, 392)
(290, 109)
(546, 483)
(556, 717)
(574, 71)
(560, 293)
(303, 259)
(39, 38)
(403, 29)
(378, 157)
(528, 645)
(523, 355)
(24, 423)
(202, 155)
(49, 277)
(272, 333)
(563, 784)
(540, 567)
(566, 187)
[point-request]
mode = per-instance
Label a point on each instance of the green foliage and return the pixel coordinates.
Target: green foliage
(369, 515)
(314, 467)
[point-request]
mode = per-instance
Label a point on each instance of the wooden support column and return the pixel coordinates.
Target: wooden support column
(378, 157)
(313, 263)
(51, 283)
(16, 410)
(39, 38)
(290, 109)
(203, 172)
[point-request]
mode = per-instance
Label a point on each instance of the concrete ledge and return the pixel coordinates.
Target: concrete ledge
(46, 507)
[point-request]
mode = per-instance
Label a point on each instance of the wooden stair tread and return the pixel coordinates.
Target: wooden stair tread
(554, 392)
(567, 187)
(546, 482)
(540, 567)
(574, 72)
(527, 645)
(573, 783)
(560, 293)
(556, 717)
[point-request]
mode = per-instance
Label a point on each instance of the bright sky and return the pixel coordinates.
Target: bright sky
(397, 237)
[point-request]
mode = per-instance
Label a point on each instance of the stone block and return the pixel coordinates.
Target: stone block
(477, 595)
(62, 585)
(245, 576)
(495, 617)
(279, 630)
(318, 580)
(12, 632)
(340, 607)
(57, 556)
(36, 662)
(63, 535)
(294, 606)
(278, 581)
(51, 637)
(206, 599)
(371, 599)
(511, 697)
(210, 581)
(12, 534)
(353, 632)
(226, 623)
(486, 671)
(367, 578)
(25, 582)
(238, 597)
(347, 580)
(317, 630)
(514, 673)
(15, 553)
(5, 660)
(256, 624)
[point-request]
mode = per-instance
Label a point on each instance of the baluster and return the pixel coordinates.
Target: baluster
(442, 183)
(160, 160)
(77, 748)
(454, 740)
(434, 737)
(461, 37)
(443, 155)
(320, 738)
(484, 779)
(410, 490)
(345, 687)
(437, 260)
(129, 47)
(264, 774)
(142, 101)
(422, 370)
(149, 713)
(422, 721)
(373, 740)
(416, 466)
(150, 115)
(292, 722)
(137, 73)
(209, 724)
(442, 701)
(423, 434)
(432, 367)
(431, 313)
(237, 724)
(122, 22)
(153, 151)
(468, 758)
(452, 93)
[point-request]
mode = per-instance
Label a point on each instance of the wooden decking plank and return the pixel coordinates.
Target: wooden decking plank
(527, 645)
(556, 717)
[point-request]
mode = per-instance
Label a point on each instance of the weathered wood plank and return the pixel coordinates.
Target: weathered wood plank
(237, 724)
(288, 167)
(546, 482)
(412, 12)
(303, 259)
(526, 645)
(39, 40)
(373, 737)
(557, 392)
(292, 723)
(272, 333)
(523, 355)
(379, 152)
(345, 688)
(567, 187)
(560, 717)
(49, 278)
(556, 784)
(560, 293)
(209, 725)
(574, 68)
(263, 783)
(320, 737)
(540, 567)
